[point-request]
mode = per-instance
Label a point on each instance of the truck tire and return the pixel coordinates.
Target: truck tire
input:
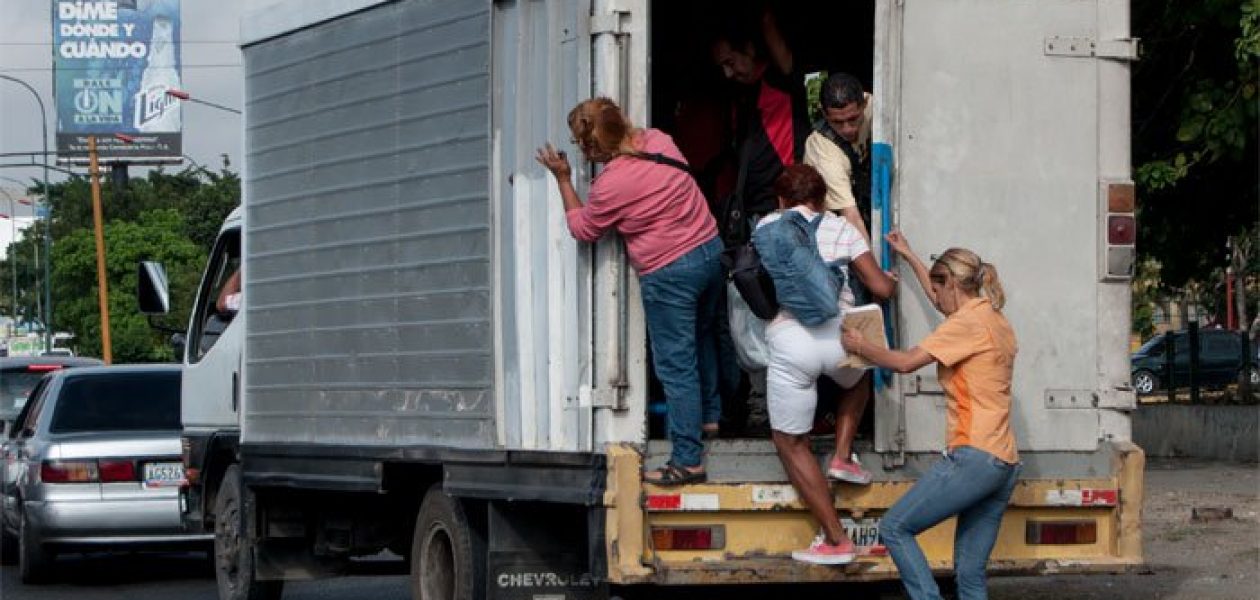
(233, 544)
(448, 555)
(34, 558)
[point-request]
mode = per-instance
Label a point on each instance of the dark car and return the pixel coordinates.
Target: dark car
(18, 376)
(1221, 360)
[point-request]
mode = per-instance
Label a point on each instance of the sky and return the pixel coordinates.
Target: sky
(211, 71)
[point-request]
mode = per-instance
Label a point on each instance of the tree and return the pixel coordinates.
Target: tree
(1194, 124)
(154, 235)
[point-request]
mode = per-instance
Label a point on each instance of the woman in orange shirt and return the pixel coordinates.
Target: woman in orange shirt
(975, 354)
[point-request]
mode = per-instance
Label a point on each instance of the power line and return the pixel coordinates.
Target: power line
(181, 42)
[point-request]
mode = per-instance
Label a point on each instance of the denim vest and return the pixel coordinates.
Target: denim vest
(806, 286)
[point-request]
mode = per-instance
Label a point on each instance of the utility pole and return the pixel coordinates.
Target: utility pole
(102, 292)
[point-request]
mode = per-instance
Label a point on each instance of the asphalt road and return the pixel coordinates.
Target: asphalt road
(1186, 560)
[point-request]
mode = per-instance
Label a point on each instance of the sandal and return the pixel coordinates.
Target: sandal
(671, 475)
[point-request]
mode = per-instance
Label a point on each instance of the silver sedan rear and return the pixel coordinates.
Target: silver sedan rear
(94, 463)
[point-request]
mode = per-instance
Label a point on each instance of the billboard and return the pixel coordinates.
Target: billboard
(113, 62)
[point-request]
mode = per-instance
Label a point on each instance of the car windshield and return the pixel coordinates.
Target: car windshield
(15, 386)
(136, 401)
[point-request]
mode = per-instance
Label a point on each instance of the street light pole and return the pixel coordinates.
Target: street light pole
(12, 259)
(43, 122)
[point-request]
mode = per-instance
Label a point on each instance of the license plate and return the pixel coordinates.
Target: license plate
(163, 474)
(863, 532)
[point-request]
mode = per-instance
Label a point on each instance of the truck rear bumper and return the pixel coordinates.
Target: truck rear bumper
(773, 570)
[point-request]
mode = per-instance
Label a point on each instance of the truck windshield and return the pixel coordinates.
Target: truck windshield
(118, 402)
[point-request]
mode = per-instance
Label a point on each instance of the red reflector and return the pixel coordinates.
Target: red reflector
(68, 472)
(689, 538)
(43, 368)
(1061, 532)
(1100, 497)
(664, 502)
(1121, 229)
(117, 470)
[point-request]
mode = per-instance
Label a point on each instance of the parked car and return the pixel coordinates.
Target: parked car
(94, 463)
(1221, 360)
(18, 376)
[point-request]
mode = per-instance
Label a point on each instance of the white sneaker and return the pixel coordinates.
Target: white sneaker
(822, 553)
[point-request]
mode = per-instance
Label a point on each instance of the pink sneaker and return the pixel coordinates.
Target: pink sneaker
(850, 471)
(822, 553)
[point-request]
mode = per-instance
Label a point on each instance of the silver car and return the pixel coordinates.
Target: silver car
(93, 462)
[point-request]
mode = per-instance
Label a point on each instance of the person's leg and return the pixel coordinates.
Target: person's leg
(978, 527)
(670, 296)
(802, 469)
(849, 408)
(709, 312)
(945, 490)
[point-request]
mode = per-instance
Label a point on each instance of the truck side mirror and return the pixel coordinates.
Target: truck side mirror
(177, 345)
(152, 289)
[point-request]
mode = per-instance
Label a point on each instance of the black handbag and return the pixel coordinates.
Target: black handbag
(752, 281)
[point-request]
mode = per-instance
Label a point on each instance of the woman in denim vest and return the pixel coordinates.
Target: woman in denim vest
(810, 254)
(671, 239)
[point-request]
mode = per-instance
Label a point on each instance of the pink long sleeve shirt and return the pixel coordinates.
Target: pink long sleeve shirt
(657, 209)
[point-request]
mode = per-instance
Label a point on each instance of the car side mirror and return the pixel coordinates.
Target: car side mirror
(178, 340)
(153, 289)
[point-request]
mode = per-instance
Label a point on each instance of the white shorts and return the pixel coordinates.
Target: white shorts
(798, 356)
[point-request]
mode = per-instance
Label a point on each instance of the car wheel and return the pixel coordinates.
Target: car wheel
(234, 544)
(1252, 374)
(447, 554)
(34, 558)
(1145, 382)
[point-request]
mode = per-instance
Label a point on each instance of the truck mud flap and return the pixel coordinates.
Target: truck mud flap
(540, 550)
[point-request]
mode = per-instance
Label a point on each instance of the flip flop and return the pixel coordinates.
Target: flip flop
(672, 475)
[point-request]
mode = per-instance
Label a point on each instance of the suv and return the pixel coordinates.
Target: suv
(18, 376)
(1221, 360)
(94, 463)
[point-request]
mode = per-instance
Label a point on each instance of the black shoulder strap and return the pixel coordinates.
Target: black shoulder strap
(661, 159)
(823, 128)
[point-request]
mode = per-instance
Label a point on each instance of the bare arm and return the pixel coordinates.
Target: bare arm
(556, 162)
(902, 247)
(854, 217)
(901, 361)
(780, 54)
(231, 286)
(875, 279)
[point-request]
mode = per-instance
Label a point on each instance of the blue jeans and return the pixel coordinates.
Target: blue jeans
(680, 304)
(970, 483)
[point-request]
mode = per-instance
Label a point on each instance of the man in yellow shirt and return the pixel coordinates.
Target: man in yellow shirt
(839, 147)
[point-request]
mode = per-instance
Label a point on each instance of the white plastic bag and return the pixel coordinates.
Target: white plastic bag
(748, 333)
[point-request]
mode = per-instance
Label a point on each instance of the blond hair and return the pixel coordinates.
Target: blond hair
(974, 276)
(601, 130)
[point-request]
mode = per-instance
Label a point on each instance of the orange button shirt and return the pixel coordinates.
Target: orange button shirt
(975, 348)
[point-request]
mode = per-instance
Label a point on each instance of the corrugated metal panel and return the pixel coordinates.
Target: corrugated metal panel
(541, 69)
(368, 229)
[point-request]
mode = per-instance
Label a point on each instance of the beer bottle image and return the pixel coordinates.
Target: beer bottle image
(156, 112)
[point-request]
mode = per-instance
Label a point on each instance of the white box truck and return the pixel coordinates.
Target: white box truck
(425, 361)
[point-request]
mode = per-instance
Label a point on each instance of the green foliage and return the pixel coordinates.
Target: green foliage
(1195, 116)
(168, 217)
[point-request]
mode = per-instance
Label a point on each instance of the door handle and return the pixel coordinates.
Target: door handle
(236, 391)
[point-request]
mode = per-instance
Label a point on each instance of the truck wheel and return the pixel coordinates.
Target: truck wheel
(233, 544)
(1145, 382)
(447, 553)
(34, 558)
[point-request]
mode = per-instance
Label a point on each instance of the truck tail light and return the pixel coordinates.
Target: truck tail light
(117, 470)
(1060, 532)
(1119, 236)
(1121, 229)
(710, 537)
(78, 471)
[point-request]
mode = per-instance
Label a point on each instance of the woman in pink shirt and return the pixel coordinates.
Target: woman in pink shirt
(646, 194)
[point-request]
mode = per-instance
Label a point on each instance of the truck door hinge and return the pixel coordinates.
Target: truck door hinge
(612, 397)
(614, 22)
(1121, 49)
